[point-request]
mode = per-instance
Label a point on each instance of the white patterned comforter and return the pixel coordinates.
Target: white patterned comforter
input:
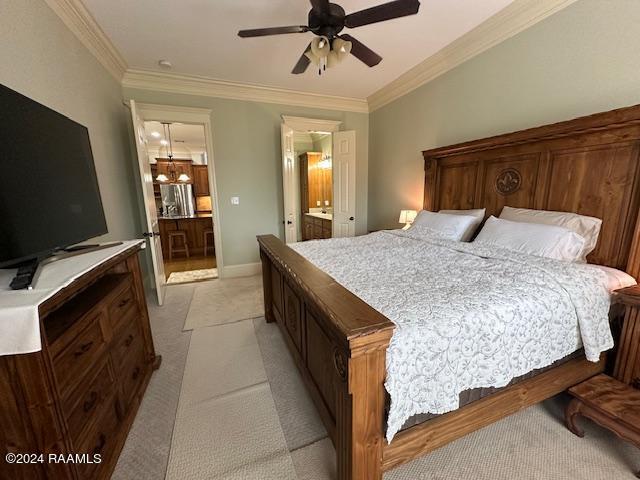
(467, 315)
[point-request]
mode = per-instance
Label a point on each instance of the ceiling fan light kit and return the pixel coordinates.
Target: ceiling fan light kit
(326, 20)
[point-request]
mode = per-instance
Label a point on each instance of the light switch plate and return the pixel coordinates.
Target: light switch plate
(235, 200)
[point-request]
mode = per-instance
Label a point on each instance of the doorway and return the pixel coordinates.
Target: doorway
(178, 182)
(318, 179)
(179, 168)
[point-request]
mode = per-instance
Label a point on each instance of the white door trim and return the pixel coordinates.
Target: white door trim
(173, 113)
(302, 124)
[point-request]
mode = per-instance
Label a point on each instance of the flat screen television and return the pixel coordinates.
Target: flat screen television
(49, 195)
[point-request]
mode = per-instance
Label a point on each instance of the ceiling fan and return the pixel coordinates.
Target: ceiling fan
(326, 21)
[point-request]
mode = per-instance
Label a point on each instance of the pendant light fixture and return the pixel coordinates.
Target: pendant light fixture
(183, 177)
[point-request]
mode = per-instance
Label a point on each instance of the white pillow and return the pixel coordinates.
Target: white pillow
(548, 241)
(615, 278)
(453, 227)
(586, 227)
(475, 212)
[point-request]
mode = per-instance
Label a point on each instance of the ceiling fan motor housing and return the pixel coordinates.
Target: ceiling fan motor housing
(327, 25)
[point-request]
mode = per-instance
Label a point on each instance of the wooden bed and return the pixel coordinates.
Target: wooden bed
(588, 165)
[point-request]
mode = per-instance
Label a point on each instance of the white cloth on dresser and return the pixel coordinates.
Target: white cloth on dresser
(467, 316)
(19, 320)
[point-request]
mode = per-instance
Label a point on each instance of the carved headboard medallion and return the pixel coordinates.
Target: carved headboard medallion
(508, 181)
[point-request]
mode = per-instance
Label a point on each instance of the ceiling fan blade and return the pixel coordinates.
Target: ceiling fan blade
(362, 52)
(386, 11)
(261, 32)
(321, 7)
(303, 63)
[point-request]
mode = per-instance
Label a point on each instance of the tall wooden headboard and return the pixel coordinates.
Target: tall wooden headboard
(589, 165)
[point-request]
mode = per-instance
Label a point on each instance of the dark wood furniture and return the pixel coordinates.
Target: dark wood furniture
(182, 247)
(627, 368)
(208, 233)
(610, 403)
(81, 392)
(193, 227)
(314, 228)
(316, 182)
(613, 402)
(200, 180)
(588, 165)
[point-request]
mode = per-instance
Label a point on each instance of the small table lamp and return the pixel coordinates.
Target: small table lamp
(407, 217)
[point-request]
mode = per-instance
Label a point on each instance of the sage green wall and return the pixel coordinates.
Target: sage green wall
(582, 60)
(247, 156)
(43, 60)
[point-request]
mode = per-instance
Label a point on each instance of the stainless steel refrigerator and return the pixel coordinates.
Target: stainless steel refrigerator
(177, 200)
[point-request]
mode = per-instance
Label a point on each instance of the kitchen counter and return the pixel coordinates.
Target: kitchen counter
(185, 217)
(193, 226)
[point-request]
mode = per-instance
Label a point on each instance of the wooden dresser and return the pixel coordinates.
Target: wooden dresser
(81, 392)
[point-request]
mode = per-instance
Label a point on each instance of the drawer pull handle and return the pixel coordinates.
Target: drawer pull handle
(90, 402)
(124, 302)
(102, 440)
(128, 341)
(83, 349)
(135, 373)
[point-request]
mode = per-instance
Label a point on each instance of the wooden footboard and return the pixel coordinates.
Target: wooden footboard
(339, 344)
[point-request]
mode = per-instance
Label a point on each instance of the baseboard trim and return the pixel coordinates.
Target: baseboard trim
(243, 270)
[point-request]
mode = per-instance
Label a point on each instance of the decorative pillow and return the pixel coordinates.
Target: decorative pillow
(586, 227)
(453, 227)
(537, 239)
(475, 212)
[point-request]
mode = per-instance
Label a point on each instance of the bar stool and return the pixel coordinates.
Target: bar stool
(207, 232)
(174, 248)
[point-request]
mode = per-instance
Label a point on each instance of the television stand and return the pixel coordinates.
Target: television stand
(28, 271)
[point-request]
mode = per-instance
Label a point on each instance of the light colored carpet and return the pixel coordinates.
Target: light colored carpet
(227, 426)
(225, 300)
(146, 450)
(192, 276)
(298, 416)
(222, 359)
(231, 424)
(533, 444)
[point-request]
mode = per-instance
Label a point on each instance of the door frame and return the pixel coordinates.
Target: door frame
(298, 124)
(201, 116)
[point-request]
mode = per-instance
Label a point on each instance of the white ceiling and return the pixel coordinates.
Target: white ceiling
(184, 137)
(199, 37)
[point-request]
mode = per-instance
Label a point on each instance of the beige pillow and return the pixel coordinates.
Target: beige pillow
(586, 227)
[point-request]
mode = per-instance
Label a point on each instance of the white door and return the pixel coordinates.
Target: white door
(344, 184)
(153, 231)
(289, 185)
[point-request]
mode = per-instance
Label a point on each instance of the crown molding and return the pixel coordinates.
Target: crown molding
(208, 87)
(511, 20)
(82, 24)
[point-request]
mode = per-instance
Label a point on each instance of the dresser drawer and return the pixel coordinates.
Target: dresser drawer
(81, 407)
(126, 339)
(122, 305)
(101, 440)
(80, 354)
(134, 367)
